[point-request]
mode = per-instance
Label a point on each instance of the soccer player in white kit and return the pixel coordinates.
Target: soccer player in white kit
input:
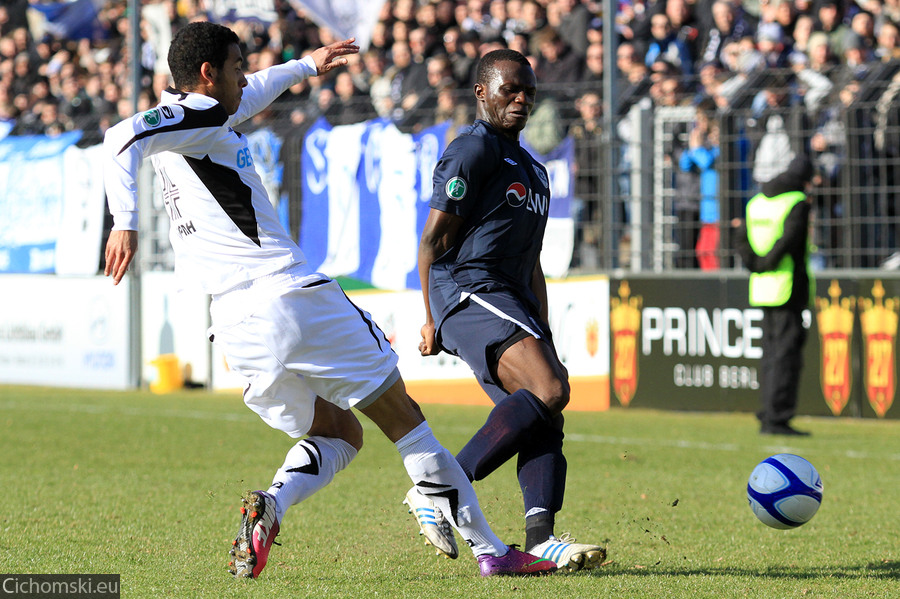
(307, 353)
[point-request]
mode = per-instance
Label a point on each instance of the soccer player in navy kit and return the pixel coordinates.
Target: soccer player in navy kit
(307, 353)
(486, 302)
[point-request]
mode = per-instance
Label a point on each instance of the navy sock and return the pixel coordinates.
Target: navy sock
(508, 428)
(542, 469)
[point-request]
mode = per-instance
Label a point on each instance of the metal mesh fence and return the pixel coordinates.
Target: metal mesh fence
(639, 205)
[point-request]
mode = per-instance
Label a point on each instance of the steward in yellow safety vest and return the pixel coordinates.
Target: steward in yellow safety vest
(776, 245)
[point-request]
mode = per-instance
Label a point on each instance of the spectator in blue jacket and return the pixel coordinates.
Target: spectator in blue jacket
(700, 158)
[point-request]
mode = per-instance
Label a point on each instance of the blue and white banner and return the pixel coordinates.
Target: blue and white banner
(265, 149)
(559, 238)
(366, 190)
(70, 20)
(346, 18)
(51, 202)
(226, 11)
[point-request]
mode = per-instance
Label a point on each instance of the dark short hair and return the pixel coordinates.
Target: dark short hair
(488, 63)
(195, 44)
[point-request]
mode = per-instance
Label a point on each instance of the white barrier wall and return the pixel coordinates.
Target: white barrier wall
(63, 331)
(579, 319)
(73, 331)
(174, 323)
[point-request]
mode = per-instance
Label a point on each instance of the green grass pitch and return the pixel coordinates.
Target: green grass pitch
(147, 486)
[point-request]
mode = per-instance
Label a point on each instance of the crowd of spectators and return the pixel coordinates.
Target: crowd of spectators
(59, 73)
(673, 51)
(419, 67)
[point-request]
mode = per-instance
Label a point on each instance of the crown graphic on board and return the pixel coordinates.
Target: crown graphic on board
(835, 316)
(625, 314)
(879, 316)
(835, 320)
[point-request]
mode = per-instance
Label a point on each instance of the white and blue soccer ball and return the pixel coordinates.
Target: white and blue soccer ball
(785, 491)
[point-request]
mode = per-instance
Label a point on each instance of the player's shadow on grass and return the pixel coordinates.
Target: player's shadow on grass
(881, 570)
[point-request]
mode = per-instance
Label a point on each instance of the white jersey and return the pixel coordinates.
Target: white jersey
(224, 230)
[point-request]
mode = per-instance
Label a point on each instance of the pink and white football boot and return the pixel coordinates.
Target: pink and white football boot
(259, 527)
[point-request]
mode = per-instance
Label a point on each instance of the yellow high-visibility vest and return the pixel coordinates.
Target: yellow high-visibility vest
(765, 226)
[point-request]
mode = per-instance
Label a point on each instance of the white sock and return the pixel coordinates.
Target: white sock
(309, 465)
(436, 474)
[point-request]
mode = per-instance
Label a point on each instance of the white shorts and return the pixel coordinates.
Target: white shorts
(294, 335)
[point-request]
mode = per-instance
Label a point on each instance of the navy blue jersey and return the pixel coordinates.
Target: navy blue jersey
(503, 195)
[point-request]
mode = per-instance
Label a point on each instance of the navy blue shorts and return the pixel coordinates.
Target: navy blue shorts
(482, 327)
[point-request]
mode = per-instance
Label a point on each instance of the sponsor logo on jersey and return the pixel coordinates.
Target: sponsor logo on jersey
(456, 188)
(244, 158)
(511, 161)
(152, 117)
(516, 194)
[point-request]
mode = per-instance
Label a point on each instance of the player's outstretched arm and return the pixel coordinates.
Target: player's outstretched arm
(264, 86)
(330, 56)
(120, 250)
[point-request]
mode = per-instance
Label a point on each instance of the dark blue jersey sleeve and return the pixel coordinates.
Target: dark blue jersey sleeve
(461, 174)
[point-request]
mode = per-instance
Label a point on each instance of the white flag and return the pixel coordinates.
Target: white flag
(346, 18)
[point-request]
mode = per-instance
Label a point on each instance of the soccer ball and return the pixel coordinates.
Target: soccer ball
(785, 491)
